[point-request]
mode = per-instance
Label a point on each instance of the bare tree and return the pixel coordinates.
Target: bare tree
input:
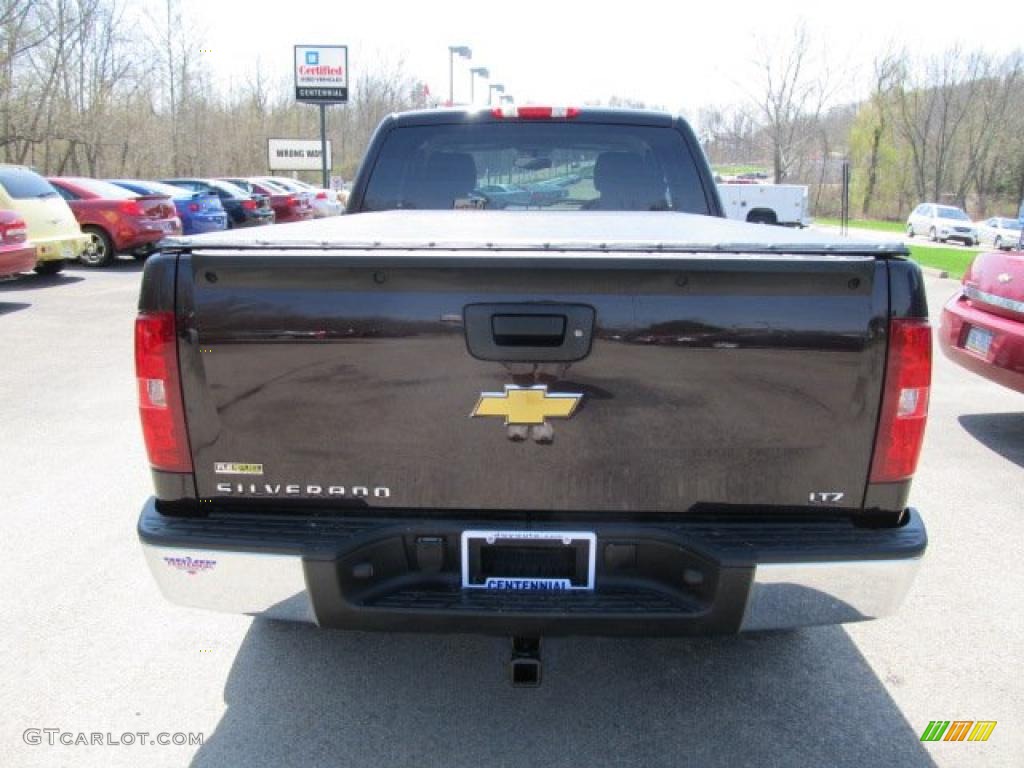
(63, 26)
(795, 86)
(986, 135)
(728, 135)
(178, 42)
(886, 72)
(933, 110)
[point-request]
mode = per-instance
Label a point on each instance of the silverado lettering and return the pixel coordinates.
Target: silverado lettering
(276, 489)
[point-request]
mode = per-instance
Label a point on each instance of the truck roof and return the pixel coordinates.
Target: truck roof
(548, 231)
(586, 115)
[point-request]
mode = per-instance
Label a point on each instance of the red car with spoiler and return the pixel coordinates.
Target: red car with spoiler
(983, 325)
(117, 219)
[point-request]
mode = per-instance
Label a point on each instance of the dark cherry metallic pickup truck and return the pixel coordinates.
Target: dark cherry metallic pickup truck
(608, 411)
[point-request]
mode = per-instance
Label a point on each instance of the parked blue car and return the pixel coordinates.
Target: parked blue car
(198, 212)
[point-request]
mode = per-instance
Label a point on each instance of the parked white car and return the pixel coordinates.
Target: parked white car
(1001, 232)
(942, 223)
(325, 202)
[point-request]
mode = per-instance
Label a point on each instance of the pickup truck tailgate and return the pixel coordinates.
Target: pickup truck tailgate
(700, 378)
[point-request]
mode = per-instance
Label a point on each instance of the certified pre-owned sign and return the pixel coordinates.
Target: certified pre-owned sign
(321, 74)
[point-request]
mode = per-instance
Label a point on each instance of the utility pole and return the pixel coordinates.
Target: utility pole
(483, 72)
(844, 203)
(323, 147)
(466, 53)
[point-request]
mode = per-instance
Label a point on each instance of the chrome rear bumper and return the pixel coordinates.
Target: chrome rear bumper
(788, 595)
(332, 583)
(254, 583)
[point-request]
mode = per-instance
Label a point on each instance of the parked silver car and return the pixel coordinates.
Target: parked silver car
(325, 202)
(941, 223)
(1001, 232)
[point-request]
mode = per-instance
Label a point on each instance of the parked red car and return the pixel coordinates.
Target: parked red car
(16, 253)
(288, 206)
(982, 327)
(117, 219)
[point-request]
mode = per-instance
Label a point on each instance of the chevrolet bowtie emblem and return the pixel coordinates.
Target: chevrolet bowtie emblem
(527, 406)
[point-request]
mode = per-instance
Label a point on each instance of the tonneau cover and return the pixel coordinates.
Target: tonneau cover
(557, 231)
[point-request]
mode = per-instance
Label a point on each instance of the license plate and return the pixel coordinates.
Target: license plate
(978, 341)
(534, 561)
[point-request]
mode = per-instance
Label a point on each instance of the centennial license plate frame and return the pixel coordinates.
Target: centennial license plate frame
(546, 561)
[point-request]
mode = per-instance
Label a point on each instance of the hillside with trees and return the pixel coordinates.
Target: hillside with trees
(946, 128)
(77, 98)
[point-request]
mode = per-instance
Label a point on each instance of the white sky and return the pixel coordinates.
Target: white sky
(678, 55)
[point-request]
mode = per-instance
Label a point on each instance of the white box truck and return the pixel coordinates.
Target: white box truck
(782, 204)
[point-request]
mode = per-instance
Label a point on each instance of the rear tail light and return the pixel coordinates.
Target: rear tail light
(13, 232)
(249, 205)
(130, 208)
(292, 201)
(160, 404)
(536, 113)
(908, 378)
(321, 195)
(194, 207)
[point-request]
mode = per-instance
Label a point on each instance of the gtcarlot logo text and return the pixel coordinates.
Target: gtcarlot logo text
(54, 736)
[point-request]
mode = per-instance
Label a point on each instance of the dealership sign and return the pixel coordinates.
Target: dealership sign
(321, 74)
(296, 154)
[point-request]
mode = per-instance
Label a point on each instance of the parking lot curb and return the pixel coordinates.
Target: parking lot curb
(933, 272)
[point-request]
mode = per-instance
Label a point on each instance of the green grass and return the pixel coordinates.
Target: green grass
(736, 170)
(953, 260)
(875, 224)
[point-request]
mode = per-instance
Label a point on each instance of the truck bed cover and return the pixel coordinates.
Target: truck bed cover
(552, 231)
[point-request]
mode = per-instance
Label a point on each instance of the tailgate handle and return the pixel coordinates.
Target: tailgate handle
(529, 332)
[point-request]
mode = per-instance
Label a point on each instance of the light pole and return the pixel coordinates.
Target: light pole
(465, 52)
(483, 72)
(491, 88)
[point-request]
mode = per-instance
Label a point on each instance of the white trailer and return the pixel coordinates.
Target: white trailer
(782, 204)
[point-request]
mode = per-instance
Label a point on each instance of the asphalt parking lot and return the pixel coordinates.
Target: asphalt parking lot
(90, 646)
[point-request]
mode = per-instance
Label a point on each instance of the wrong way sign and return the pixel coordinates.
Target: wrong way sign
(296, 154)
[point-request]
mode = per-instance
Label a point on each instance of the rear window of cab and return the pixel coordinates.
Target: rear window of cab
(535, 165)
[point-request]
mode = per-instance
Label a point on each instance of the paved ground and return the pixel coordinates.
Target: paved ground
(89, 645)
